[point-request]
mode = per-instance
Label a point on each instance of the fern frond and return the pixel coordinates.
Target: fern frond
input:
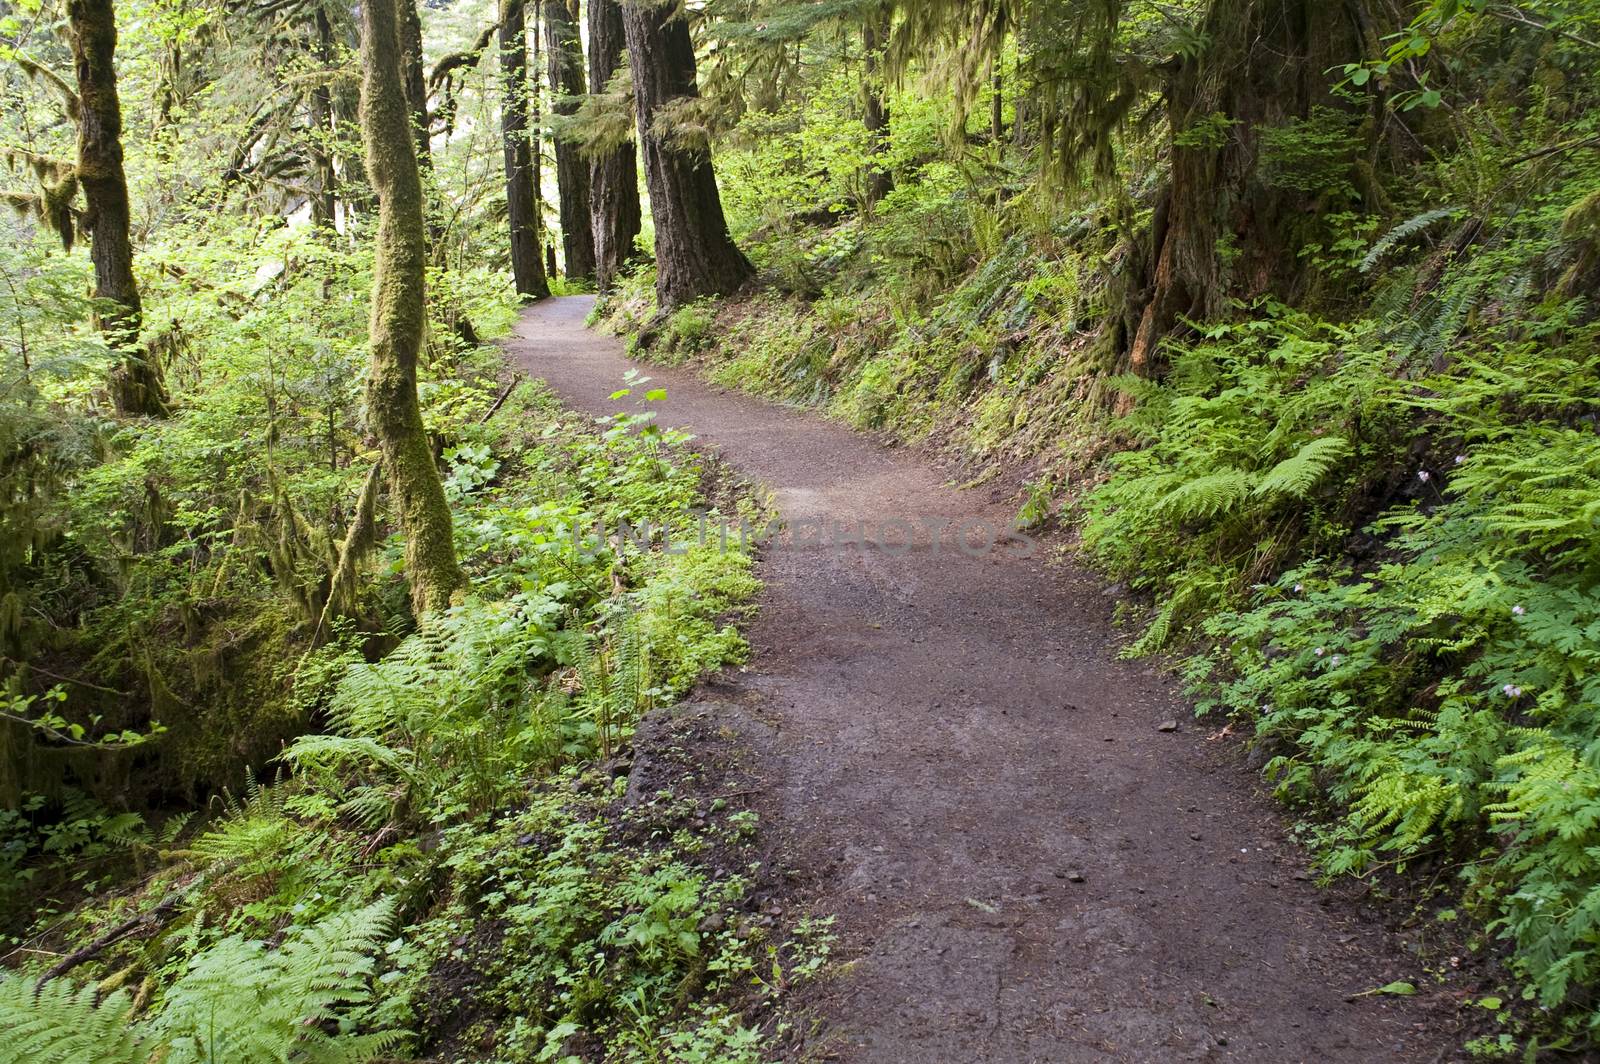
(1297, 475)
(1408, 228)
(244, 1003)
(62, 1023)
(1207, 496)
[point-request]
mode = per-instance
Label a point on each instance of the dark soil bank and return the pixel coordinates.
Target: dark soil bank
(1027, 867)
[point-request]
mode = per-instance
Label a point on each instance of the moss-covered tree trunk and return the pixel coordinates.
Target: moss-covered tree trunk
(875, 105)
(398, 314)
(694, 255)
(325, 187)
(522, 176)
(136, 386)
(564, 54)
(1222, 231)
(414, 79)
(614, 176)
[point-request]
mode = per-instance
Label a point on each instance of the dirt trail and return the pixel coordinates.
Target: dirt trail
(1027, 867)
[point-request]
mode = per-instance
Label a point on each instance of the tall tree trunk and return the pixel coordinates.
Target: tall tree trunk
(536, 134)
(613, 177)
(522, 178)
(324, 192)
(875, 108)
(694, 255)
(1264, 63)
(414, 78)
(997, 108)
(136, 386)
(564, 49)
(398, 314)
(997, 86)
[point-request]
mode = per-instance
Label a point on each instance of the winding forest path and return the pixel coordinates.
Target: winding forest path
(1028, 869)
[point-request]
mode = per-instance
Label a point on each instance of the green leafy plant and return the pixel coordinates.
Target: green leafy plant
(239, 1001)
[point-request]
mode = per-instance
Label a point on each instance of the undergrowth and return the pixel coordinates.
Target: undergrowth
(1367, 520)
(443, 866)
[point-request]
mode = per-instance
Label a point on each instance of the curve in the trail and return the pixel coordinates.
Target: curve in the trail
(1027, 867)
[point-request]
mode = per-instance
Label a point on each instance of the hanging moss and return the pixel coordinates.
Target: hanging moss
(57, 207)
(228, 701)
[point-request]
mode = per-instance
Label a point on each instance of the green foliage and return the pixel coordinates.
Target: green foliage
(73, 837)
(582, 939)
(238, 1001)
(1205, 131)
(443, 724)
(1315, 155)
(809, 155)
(1442, 693)
(572, 637)
(1405, 230)
(1262, 429)
(61, 1023)
(689, 328)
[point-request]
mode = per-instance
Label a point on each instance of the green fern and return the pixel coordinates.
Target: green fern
(614, 676)
(62, 1023)
(1207, 496)
(239, 1002)
(1405, 806)
(1406, 229)
(1192, 593)
(443, 713)
(1294, 477)
(242, 1002)
(253, 831)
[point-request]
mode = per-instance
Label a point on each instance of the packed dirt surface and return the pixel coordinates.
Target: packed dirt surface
(1027, 866)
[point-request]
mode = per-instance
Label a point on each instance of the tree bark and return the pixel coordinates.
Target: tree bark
(136, 385)
(324, 194)
(997, 86)
(564, 52)
(398, 314)
(1264, 63)
(694, 255)
(522, 179)
(414, 79)
(875, 108)
(613, 177)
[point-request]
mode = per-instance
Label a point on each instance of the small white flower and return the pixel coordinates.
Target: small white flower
(1319, 652)
(1336, 660)
(1461, 459)
(1422, 475)
(1297, 589)
(1517, 611)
